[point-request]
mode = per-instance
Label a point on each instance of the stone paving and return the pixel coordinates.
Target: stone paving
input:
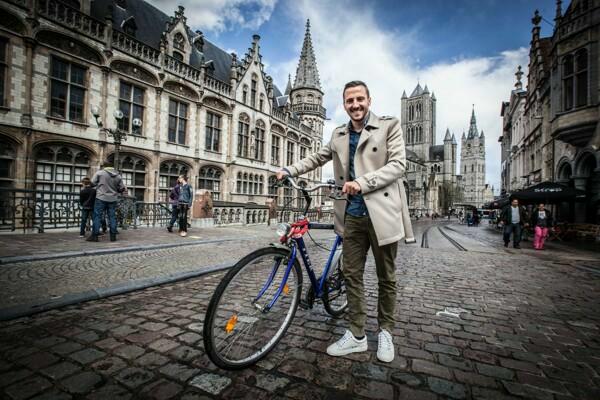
(526, 328)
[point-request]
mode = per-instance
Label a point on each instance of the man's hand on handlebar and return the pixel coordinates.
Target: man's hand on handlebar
(351, 188)
(281, 174)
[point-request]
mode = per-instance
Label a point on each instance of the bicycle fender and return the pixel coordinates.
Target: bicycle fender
(336, 258)
(279, 246)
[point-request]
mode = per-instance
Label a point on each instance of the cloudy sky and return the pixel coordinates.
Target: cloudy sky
(466, 51)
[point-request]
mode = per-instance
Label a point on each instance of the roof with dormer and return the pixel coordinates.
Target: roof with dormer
(152, 22)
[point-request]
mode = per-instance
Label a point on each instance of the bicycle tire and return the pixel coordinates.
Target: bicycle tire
(212, 333)
(335, 288)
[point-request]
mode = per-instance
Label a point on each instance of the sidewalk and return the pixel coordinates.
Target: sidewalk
(45, 271)
(58, 244)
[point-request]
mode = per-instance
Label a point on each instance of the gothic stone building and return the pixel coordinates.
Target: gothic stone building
(472, 164)
(431, 168)
(218, 118)
(551, 130)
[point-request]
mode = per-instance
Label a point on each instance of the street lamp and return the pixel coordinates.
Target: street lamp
(117, 134)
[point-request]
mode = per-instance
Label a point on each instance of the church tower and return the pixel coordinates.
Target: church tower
(418, 121)
(306, 94)
(472, 162)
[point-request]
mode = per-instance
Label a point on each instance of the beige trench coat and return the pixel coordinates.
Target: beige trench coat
(379, 164)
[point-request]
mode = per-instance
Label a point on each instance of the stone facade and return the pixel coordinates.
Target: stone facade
(218, 118)
(431, 169)
(472, 164)
(560, 137)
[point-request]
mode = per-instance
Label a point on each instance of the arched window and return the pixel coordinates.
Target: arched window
(179, 41)
(301, 201)
(259, 141)
(210, 179)
(243, 136)
(169, 172)
(261, 102)
(133, 172)
(245, 94)
(568, 86)
(253, 90)
(273, 190)
(310, 98)
(581, 77)
(7, 163)
(420, 134)
(178, 56)
(60, 168)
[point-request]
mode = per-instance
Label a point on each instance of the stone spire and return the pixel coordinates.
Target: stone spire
(404, 94)
(473, 132)
(447, 137)
(558, 15)
(288, 88)
(307, 75)
(454, 139)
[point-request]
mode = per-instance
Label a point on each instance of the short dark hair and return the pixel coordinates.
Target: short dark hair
(107, 164)
(86, 181)
(352, 84)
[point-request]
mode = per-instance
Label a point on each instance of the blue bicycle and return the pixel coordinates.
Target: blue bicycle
(256, 301)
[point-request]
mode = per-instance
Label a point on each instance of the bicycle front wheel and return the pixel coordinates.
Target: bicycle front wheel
(240, 326)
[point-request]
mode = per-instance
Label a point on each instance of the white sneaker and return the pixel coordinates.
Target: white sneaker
(347, 344)
(385, 347)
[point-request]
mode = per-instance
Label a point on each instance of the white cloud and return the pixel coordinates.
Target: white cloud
(220, 15)
(350, 44)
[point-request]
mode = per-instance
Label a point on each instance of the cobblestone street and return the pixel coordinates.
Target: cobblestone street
(527, 326)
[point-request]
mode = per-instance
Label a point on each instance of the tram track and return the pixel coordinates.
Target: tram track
(451, 240)
(425, 238)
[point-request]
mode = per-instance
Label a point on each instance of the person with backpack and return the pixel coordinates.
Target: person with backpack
(109, 186)
(185, 202)
(174, 202)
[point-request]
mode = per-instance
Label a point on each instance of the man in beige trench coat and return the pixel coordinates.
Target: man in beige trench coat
(369, 161)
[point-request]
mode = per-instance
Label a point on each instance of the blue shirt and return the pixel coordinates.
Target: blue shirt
(356, 207)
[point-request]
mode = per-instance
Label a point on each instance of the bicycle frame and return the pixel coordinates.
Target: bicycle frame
(298, 246)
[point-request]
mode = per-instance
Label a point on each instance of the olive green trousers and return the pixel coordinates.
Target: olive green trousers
(359, 236)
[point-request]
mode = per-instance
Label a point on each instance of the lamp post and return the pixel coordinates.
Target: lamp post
(117, 134)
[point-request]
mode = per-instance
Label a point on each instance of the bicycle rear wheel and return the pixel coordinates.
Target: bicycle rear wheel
(334, 291)
(238, 329)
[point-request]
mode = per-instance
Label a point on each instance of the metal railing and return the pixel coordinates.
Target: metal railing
(38, 211)
(31, 210)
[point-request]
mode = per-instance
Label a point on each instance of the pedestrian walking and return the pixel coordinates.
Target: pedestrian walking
(369, 161)
(541, 220)
(87, 197)
(174, 202)
(185, 202)
(109, 186)
(514, 218)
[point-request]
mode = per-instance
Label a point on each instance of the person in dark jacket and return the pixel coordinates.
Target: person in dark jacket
(109, 186)
(514, 218)
(541, 220)
(185, 202)
(87, 197)
(174, 202)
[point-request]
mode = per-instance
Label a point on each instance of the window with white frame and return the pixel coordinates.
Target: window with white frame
(210, 179)
(60, 168)
(167, 179)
